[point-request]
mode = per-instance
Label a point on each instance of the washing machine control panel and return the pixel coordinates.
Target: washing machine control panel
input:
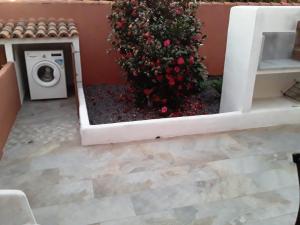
(60, 62)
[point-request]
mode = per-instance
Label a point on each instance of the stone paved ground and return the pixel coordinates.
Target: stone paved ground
(235, 178)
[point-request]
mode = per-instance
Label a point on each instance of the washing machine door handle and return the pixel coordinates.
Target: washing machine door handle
(46, 73)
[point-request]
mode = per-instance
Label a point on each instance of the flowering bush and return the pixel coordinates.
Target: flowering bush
(158, 42)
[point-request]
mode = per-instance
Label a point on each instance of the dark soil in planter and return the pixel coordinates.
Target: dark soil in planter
(112, 104)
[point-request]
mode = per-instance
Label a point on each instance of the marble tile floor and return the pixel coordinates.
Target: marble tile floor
(234, 178)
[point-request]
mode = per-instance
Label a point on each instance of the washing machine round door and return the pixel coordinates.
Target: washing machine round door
(46, 74)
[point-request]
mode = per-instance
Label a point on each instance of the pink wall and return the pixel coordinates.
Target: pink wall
(91, 17)
(215, 19)
(10, 102)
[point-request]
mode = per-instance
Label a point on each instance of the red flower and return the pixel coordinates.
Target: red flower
(178, 11)
(159, 77)
(192, 60)
(176, 114)
(134, 13)
(180, 61)
(156, 98)
(129, 55)
(180, 78)
(164, 109)
(169, 70)
(147, 91)
(149, 38)
(195, 38)
(133, 2)
(147, 35)
(120, 24)
(167, 43)
(171, 81)
(149, 41)
(130, 89)
(177, 69)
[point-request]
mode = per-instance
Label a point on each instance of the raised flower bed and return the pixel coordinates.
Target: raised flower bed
(158, 44)
(113, 104)
(268, 115)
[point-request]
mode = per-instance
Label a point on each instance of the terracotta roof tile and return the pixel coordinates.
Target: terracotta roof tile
(41, 28)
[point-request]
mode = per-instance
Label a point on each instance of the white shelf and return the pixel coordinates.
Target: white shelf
(274, 103)
(286, 31)
(277, 66)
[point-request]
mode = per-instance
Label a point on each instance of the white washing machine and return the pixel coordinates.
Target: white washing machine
(46, 74)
